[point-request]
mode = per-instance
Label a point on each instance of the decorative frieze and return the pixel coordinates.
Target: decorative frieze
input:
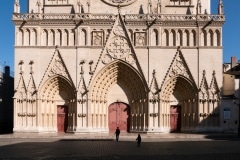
(27, 114)
(126, 17)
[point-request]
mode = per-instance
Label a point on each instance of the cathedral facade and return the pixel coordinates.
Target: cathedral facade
(89, 66)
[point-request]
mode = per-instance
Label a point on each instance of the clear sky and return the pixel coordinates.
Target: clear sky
(231, 29)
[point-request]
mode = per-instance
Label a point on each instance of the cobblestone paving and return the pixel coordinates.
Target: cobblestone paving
(62, 149)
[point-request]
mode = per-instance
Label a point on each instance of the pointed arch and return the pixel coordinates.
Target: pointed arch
(83, 39)
(154, 37)
(218, 37)
(20, 41)
(27, 37)
(123, 74)
(179, 38)
(165, 38)
(178, 69)
(186, 38)
(172, 38)
(33, 39)
(58, 37)
(57, 88)
(57, 92)
(193, 38)
(44, 39)
(211, 37)
(51, 38)
(72, 37)
(180, 87)
(205, 38)
(65, 38)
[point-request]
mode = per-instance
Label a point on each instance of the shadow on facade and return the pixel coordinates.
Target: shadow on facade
(218, 120)
(6, 101)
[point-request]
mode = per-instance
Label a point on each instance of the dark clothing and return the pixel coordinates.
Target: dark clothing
(139, 139)
(117, 132)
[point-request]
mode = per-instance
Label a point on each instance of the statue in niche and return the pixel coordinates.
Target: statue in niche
(140, 39)
(97, 38)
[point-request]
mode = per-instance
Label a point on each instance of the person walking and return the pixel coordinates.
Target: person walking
(139, 139)
(117, 132)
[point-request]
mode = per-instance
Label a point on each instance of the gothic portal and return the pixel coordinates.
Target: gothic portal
(86, 66)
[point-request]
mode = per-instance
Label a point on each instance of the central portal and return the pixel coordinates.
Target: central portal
(118, 116)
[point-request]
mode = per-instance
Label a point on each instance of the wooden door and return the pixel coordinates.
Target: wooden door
(118, 116)
(175, 118)
(62, 119)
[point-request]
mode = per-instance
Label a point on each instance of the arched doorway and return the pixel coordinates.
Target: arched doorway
(131, 88)
(119, 116)
(179, 107)
(57, 105)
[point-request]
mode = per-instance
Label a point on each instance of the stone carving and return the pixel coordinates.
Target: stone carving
(57, 68)
(140, 39)
(118, 45)
(154, 84)
(118, 48)
(97, 38)
(119, 3)
(203, 95)
(177, 68)
(214, 89)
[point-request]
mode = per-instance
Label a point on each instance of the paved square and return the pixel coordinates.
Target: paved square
(50, 148)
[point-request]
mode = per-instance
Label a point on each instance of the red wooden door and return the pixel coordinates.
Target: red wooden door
(175, 118)
(118, 116)
(62, 120)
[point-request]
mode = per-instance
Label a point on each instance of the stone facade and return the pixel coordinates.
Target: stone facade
(162, 59)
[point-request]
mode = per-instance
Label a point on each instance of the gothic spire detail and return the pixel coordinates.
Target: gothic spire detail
(154, 84)
(199, 7)
(159, 7)
(21, 90)
(82, 88)
(203, 89)
(31, 88)
(214, 89)
(88, 6)
(16, 6)
(149, 7)
(220, 7)
(39, 5)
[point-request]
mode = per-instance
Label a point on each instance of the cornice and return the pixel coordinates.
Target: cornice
(136, 47)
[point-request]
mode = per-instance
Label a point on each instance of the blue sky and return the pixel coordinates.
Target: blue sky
(231, 29)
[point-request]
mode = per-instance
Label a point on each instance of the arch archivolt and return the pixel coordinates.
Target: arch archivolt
(56, 91)
(133, 85)
(179, 91)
